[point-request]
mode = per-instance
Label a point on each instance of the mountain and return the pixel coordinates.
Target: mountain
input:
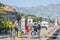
(51, 10)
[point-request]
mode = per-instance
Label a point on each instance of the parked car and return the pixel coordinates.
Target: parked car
(44, 24)
(35, 24)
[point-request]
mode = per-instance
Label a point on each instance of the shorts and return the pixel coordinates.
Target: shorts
(16, 29)
(35, 30)
(38, 30)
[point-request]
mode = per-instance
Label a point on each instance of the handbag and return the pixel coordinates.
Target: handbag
(33, 33)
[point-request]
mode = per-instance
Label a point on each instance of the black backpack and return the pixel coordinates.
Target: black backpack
(39, 26)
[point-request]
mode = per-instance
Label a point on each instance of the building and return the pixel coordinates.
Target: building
(9, 13)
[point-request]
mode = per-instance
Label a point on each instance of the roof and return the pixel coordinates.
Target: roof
(6, 8)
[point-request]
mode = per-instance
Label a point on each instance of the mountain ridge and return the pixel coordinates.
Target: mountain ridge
(43, 11)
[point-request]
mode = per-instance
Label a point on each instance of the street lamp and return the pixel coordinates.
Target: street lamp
(56, 21)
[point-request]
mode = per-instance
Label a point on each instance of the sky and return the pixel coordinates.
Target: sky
(29, 3)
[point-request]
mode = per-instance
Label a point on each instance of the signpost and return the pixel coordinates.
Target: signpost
(56, 21)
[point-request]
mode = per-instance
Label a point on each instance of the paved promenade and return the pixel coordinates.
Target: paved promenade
(45, 34)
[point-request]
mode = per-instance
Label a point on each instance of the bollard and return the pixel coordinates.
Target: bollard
(19, 34)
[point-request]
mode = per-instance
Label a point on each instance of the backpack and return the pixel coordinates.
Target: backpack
(39, 26)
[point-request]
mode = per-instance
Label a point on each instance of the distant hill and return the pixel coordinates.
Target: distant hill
(43, 11)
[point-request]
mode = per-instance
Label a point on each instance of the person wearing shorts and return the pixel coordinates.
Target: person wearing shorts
(38, 29)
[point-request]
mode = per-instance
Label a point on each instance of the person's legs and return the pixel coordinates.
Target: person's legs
(29, 34)
(38, 33)
(16, 29)
(35, 30)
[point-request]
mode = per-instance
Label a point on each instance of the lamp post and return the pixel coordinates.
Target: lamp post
(56, 21)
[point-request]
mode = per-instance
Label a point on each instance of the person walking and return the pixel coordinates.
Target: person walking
(30, 29)
(17, 23)
(39, 28)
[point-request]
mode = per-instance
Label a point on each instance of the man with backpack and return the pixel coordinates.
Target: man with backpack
(37, 28)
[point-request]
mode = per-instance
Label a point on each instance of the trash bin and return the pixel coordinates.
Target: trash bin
(19, 34)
